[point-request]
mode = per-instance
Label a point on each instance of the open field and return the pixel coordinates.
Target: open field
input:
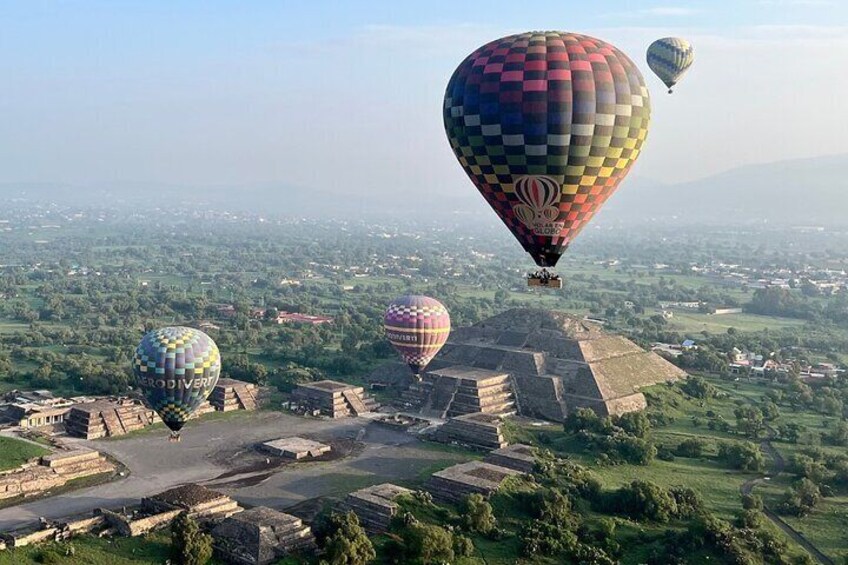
(151, 549)
(691, 322)
(14, 452)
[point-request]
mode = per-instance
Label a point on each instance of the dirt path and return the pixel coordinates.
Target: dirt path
(777, 468)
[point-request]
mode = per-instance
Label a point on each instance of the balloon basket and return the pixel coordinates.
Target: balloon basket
(174, 437)
(544, 279)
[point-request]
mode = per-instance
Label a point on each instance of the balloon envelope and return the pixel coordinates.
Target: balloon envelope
(546, 125)
(670, 58)
(176, 368)
(417, 327)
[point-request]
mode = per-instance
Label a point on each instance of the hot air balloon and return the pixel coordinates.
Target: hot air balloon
(176, 368)
(418, 327)
(670, 58)
(546, 125)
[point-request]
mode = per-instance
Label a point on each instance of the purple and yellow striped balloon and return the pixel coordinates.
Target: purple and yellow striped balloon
(418, 327)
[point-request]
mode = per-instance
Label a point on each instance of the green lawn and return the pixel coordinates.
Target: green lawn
(14, 452)
(693, 322)
(152, 549)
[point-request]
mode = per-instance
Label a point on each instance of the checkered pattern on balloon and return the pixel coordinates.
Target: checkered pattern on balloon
(546, 125)
(417, 327)
(178, 356)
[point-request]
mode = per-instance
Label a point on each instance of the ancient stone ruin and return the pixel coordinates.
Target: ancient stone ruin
(519, 457)
(538, 363)
(52, 471)
(477, 431)
(295, 448)
(374, 506)
(455, 483)
(457, 390)
(108, 418)
(230, 394)
(260, 536)
(333, 399)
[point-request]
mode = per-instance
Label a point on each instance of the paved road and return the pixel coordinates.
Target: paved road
(220, 454)
(779, 464)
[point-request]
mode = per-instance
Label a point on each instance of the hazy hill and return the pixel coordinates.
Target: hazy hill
(796, 192)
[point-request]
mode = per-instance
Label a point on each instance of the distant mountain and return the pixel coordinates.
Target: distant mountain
(795, 192)
(798, 192)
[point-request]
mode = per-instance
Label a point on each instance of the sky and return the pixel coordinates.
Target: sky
(345, 96)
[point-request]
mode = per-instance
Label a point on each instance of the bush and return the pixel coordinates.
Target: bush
(752, 502)
(697, 387)
(692, 448)
(346, 542)
(477, 514)
(463, 546)
(645, 500)
(801, 498)
(634, 423)
(189, 545)
(427, 543)
(744, 456)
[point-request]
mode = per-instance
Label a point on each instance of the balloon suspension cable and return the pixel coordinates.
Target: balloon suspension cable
(174, 437)
(545, 278)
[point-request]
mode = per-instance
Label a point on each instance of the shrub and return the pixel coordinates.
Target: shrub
(691, 447)
(347, 543)
(744, 456)
(477, 514)
(189, 545)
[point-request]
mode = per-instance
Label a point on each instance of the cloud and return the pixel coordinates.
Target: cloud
(801, 3)
(656, 11)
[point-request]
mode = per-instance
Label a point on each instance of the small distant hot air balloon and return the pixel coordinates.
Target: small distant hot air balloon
(176, 368)
(546, 125)
(670, 58)
(418, 327)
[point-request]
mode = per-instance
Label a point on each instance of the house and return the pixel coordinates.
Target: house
(688, 345)
(257, 313)
(293, 317)
(226, 310)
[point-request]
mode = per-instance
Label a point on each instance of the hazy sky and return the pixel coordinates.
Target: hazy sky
(346, 95)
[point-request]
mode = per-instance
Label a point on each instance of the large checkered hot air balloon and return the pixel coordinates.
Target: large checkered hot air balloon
(418, 327)
(546, 125)
(670, 58)
(176, 368)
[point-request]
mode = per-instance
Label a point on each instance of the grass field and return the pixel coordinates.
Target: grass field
(691, 322)
(151, 549)
(14, 452)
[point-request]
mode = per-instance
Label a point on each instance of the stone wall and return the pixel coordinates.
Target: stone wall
(52, 471)
(539, 397)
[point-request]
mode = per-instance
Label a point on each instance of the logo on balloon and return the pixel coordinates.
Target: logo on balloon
(538, 194)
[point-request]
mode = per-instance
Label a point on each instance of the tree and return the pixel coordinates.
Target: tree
(801, 498)
(189, 545)
(346, 542)
(634, 423)
(690, 447)
(749, 420)
(478, 515)
(428, 544)
(839, 435)
(770, 411)
(744, 456)
(645, 500)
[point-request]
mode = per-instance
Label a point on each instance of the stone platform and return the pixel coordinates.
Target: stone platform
(333, 398)
(458, 390)
(519, 457)
(295, 448)
(455, 483)
(260, 536)
(478, 431)
(374, 506)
